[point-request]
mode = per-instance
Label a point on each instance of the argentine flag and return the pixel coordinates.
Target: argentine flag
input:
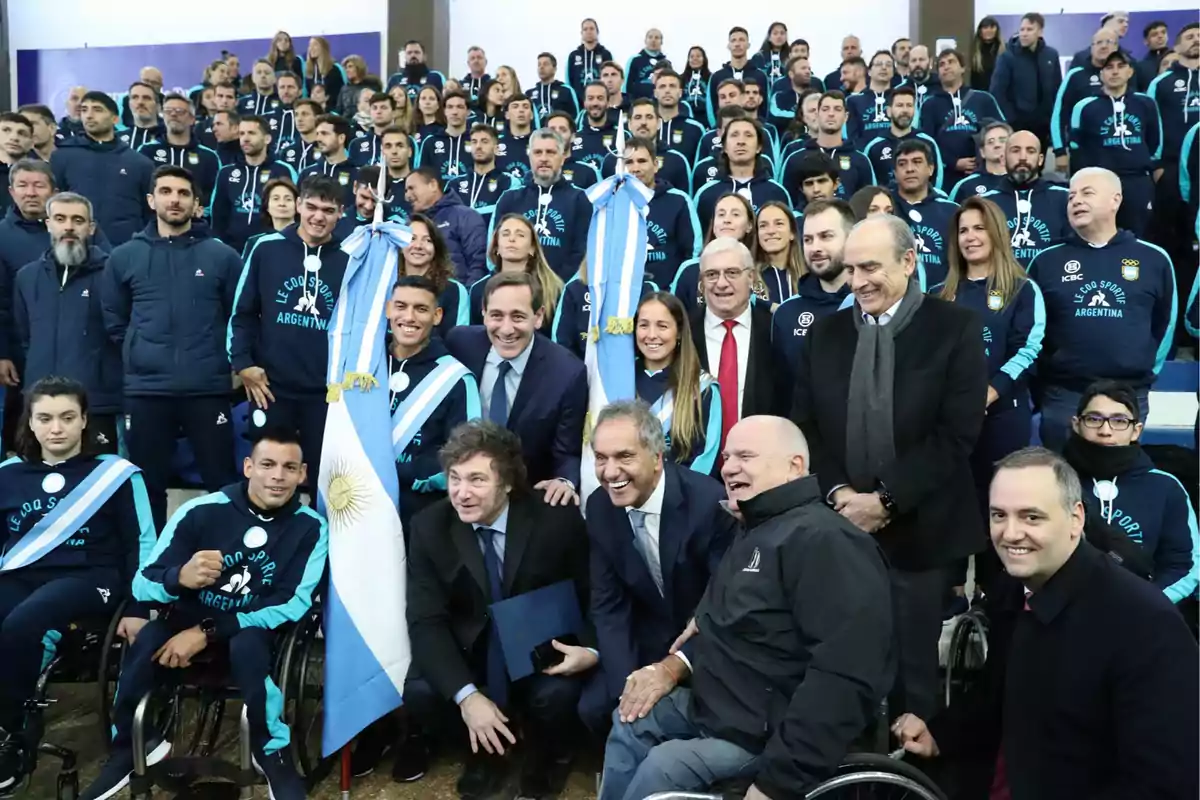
(616, 259)
(366, 635)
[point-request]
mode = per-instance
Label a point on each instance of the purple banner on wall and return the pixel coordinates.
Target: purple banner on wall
(46, 76)
(1070, 33)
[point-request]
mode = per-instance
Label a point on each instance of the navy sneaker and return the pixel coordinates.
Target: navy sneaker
(283, 782)
(114, 775)
(12, 762)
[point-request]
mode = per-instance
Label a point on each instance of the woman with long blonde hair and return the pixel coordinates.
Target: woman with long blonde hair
(282, 54)
(670, 379)
(403, 109)
(983, 274)
(777, 252)
(515, 248)
(323, 70)
(427, 255)
(733, 217)
(506, 76)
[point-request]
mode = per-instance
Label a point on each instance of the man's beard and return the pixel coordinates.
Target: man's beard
(145, 120)
(70, 252)
(546, 183)
(414, 72)
(918, 75)
(831, 271)
(1022, 175)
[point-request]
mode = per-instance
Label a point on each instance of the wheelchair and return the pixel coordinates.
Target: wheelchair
(199, 700)
(967, 652)
(88, 651)
(862, 776)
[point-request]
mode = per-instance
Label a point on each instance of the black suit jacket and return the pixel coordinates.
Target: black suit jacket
(940, 393)
(765, 392)
(550, 407)
(448, 594)
(634, 623)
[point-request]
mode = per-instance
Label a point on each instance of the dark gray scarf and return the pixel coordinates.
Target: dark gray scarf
(870, 442)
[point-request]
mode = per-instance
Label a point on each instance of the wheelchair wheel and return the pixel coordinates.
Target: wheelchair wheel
(301, 682)
(968, 653)
(870, 776)
(112, 651)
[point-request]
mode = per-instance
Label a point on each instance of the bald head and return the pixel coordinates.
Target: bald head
(780, 434)
(762, 453)
(1092, 203)
(1104, 43)
(152, 76)
(1023, 157)
(919, 61)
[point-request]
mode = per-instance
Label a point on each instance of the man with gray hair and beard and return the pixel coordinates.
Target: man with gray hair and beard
(60, 292)
(560, 212)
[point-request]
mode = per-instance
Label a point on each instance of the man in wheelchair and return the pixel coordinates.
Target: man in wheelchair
(229, 569)
(75, 526)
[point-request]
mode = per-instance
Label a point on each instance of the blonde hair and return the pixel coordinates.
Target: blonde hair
(794, 261)
(514, 80)
(1005, 275)
(317, 67)
(274, 54)
(402, 115)
(536, 265)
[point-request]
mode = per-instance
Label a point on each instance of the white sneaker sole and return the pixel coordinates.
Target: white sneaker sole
(156, 755)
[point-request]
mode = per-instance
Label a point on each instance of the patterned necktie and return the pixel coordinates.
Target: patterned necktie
(646, 546)
(498, 409)
(497, 674)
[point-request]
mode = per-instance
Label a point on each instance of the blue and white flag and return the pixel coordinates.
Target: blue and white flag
(616, 262)
(366, 635)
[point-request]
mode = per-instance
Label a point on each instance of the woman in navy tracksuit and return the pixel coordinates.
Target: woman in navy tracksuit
(86, 574)
(685, 399)
(982, 274)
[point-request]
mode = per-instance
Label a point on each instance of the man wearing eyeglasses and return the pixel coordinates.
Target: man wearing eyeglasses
(1110, 305)
(182, 148)
(733, 335)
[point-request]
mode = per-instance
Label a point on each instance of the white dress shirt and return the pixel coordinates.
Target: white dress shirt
(714, 337)
(652, 508)
(512, 381)
(884, 318)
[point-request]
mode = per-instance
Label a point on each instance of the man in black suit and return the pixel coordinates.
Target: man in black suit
(657, 532)
(733, 336)
(1090, 686)
(891, 395)
(528, 384)
(491, 539)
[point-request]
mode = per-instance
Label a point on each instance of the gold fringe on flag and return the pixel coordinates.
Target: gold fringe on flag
(333, 393)
(619, 325)
(365, 381)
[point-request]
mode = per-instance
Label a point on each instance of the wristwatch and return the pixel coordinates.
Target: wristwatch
(885, 498)
(209, 627)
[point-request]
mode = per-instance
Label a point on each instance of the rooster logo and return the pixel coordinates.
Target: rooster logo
(239, 583)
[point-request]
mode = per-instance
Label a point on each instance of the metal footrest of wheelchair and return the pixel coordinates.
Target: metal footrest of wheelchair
(180, 775)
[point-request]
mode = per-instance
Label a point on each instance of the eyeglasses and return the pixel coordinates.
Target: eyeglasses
(1096, 421)
(176, 112)
(711, 276)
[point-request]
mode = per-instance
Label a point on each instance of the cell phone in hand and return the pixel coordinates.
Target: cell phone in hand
(545, 655)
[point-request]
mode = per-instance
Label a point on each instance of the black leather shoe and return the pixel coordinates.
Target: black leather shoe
(412, 760)
(483, 777)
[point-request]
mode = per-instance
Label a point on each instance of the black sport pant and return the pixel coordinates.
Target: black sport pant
(36, 605)
(306, 416)
(249, 671)
(152, 426)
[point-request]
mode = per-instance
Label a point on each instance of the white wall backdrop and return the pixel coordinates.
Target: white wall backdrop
(515, 31)
(1097, 7)
(55, 24)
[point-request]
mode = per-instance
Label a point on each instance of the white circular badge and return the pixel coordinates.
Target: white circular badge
(398, 382)
(53, 483)
(1105, 490)
(922, 89)
(254, 538)
(312, 263)
(259, 417)
(914, 215)
(1024, 206)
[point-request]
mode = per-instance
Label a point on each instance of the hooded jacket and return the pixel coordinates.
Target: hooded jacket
(235, 207)
(583, 66)
(466, 236)
(930, 223)
(746, 74)
(450, 155)
(953, 120)
(638, 70)
(673, 170)
(1026, 81)
(562, 222)
(115, 178)
(881, 152)
(762, 189)
(854, 169)
(197, 159)
(866, 115)
(262, 105)
(1077, 84)
(166, 302)
(115, 537)
(273, 560)
(1121, 134)
(1122, 487)
(60, 328)
(282, 310)
(795, 316)
(681, 135)
(482, 192)
(1176, 94)
(1037, 216)
(1110, 311)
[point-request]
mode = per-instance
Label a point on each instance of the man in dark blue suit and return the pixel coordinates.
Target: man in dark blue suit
(527, 383)
(657, 532)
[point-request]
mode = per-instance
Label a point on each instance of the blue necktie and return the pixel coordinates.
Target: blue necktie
(497, 674)
(498, 409)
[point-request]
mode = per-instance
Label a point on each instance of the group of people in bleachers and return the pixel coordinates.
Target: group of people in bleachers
(858, 293)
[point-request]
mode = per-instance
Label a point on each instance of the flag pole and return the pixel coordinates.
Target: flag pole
(346, 772)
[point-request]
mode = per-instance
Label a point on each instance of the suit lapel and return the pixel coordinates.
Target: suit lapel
(699, 339)
(751, 392)
(527, 387)
(468, 550)
(516, 538)
(478, 357)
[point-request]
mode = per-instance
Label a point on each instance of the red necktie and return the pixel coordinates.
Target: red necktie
(727, 378)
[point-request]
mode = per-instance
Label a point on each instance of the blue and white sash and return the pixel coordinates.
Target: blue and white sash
(664, 409)
(424, 400)
(70, 514)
